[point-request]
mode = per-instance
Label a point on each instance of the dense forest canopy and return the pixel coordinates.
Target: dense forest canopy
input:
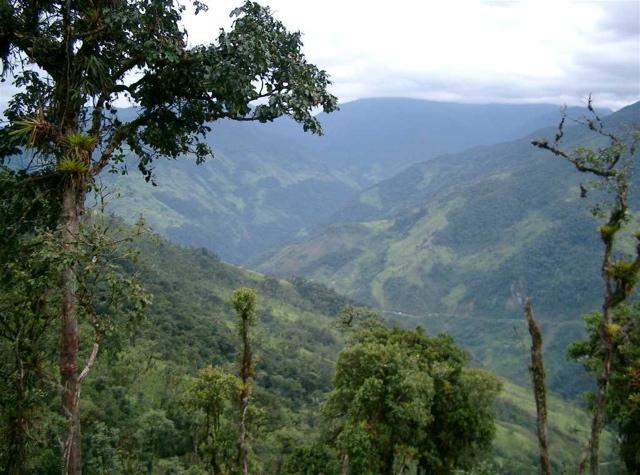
(125, 353)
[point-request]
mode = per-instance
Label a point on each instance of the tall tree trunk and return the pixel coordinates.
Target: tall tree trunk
(598, 417)
(242, 439)
(597, 423)
(245, 375)
(344, 467)
(244, 301)
(606, 348)
(539, 387)
(70, 337)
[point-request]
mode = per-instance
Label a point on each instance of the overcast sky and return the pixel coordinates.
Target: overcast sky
(555, 51)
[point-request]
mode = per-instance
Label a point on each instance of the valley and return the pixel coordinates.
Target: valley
(318, 238)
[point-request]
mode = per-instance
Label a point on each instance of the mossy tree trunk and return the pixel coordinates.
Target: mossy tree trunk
(539, 387)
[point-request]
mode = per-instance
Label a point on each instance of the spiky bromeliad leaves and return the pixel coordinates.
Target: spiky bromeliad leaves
(72, 60)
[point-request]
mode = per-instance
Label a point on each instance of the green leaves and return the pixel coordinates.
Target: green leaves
(244, 302)
(256, 71)
(401, 398)
(623, 406)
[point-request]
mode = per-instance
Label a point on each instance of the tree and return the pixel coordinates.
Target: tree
(244, 302)
(623, 402)
(536, 368)
(72, 60)
(402, 400)
(32, 260)
(29, 265)
(311, 459)
(212, 392)
(611, 166)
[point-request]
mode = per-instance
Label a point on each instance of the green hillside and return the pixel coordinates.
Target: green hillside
(461, 235)
(257, 192)
(191, 324)
(271, 183)
(515, 448)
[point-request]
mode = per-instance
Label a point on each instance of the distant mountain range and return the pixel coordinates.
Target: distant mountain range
(373, 139)
(272, 183)
(462, 233)
(452, 243)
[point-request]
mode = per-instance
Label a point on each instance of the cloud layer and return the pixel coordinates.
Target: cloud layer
(469, 50)
(554, 51)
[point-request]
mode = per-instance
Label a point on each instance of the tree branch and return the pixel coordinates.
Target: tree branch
(543, 144)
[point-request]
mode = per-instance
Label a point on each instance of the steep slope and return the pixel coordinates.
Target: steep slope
(461, 235)
(191, 324)
(271, 183)
(259, 190)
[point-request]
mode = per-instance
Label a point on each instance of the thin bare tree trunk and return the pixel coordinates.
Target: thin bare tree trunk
(539, 387)
(606, 346)
(70, 337)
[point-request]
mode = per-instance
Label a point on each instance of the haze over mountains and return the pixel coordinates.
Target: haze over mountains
(451, 239)
(455, 234)
(271, 183)
(453, 243)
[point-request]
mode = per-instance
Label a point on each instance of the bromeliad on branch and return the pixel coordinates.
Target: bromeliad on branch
(72, 60)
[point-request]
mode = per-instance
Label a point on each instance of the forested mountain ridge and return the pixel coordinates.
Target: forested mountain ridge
(260, 189)
(271, 183)
(454, 234)
(136, 389)
(450, 243)
(373, 139)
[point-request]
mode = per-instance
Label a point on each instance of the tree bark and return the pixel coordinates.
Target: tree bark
(597, 423)
(70, 336)
(539, 387)
(242, 439)
(245, 375)
(344, 467)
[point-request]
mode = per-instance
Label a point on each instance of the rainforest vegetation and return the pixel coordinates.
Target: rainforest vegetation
(381, 347)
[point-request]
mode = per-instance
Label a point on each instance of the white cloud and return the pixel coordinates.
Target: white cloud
(468, 50)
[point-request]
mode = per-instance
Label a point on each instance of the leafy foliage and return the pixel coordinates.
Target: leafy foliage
(212, 395)
(623, 407)
(178, 89)
(402, 399)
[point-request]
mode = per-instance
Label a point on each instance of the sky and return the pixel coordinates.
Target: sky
(555, 51)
